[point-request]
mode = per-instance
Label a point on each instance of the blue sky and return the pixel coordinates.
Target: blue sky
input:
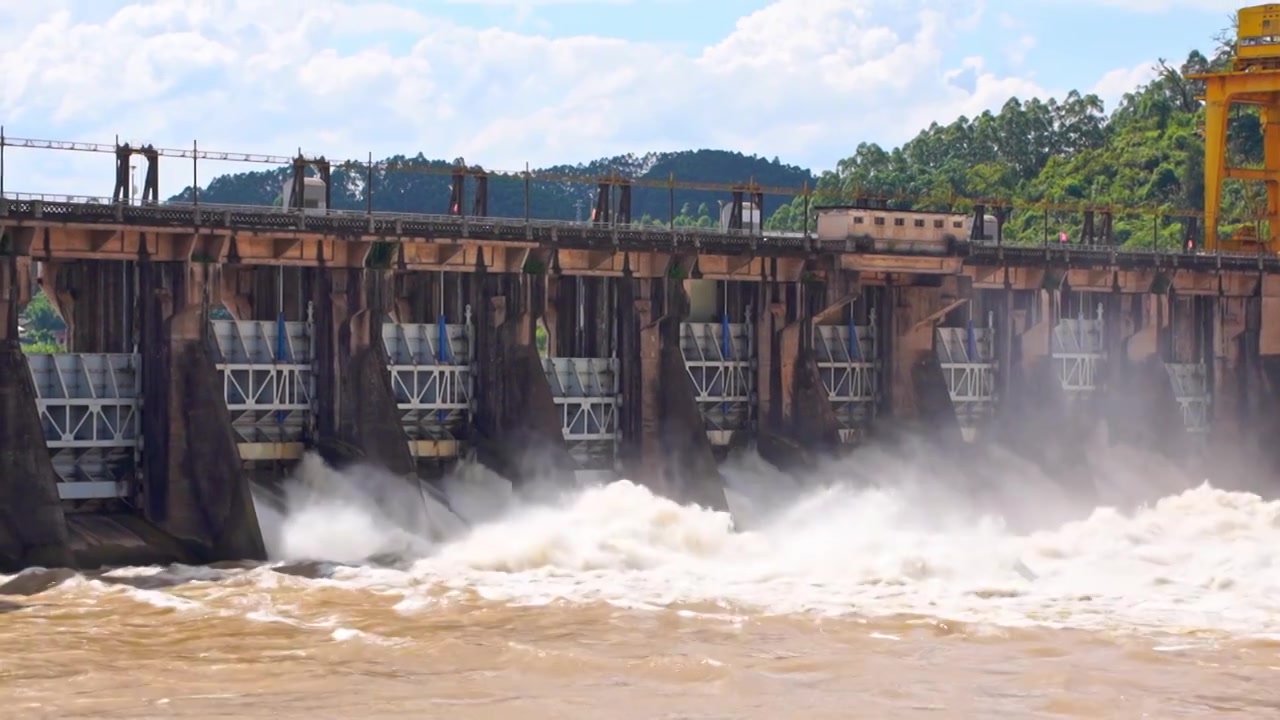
(504, 82)
(1076, 43)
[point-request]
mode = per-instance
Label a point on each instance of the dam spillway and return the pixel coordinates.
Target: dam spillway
(210, 345)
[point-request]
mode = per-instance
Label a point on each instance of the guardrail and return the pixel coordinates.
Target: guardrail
(394, 225)
(580, 235)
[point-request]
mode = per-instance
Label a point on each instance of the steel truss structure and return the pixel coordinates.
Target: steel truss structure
(90, 412)
(848, 359)
(267, 381)
(721, 360)
(967, 357)
(587, 392)
(431, 379)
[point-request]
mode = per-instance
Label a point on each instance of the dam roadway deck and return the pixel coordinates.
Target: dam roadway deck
(410, 341)
(99, 229)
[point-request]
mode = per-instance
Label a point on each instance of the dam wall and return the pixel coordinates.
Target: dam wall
(197, 363)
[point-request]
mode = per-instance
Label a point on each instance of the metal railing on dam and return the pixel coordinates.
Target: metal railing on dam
(46, 210)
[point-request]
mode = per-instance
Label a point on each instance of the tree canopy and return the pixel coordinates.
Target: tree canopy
(428, 192)
(1146, 153)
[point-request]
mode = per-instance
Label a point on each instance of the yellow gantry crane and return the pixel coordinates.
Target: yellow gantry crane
(1254, 79)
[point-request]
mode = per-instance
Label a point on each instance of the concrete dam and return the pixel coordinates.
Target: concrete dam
(210, 347)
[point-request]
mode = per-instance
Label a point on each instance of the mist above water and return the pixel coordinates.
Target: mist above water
(1128, 541)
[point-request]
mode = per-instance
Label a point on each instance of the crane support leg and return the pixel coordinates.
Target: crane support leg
(1260, 88)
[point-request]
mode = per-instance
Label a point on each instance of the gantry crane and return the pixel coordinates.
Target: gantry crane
(1254, 79)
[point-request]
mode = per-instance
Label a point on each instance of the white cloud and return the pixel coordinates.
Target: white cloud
(802, 79)
(1116, 83)
(1157, 6)
(1018, 49)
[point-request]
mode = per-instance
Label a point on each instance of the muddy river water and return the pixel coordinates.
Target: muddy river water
(839, 601)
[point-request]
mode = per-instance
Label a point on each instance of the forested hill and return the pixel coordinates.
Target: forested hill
(408, 191)
(1148, 151)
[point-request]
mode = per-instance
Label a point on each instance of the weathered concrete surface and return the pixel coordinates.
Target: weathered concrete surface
(798, 425)
(95, 300)
(119, 539)
(665, 444)
(936, 414)
(1242, 451)
(814, 420)
(1035, 420)
(1246, 393)
(689, 470)
(521, 438)
(690, 473)
(1236, 367)
(372, 421)
(914, 383)
(1139, 403)
(356, 408)
(1264, 393)
(195, 489)
(32, 528)
(1141, 409)
(517, 422)
(809, 430)
(1033, 417)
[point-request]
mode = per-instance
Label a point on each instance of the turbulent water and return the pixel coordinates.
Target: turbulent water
(884, 586)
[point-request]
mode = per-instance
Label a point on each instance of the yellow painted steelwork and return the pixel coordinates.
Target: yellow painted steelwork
(1253, 80)
(1258, 38)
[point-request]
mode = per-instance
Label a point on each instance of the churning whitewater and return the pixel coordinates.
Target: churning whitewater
(903, 579)
(868, 537)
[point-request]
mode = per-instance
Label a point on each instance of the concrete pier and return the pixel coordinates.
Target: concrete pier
(32, 529)
(358, 410)
(517, 421)
(193, 488)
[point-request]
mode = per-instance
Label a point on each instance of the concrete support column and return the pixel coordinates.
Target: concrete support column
(277, 289)
(806, 423)
(916, 387)
(355, 411)
(580, 316)
(422, 296)
(788, 343)
(1261, 387)
(1033, 417)
(95, 300)
(1140, 403)
(33, 530)
(639, 351)
(778, 350)
(16, 285)
(194, 488)
(236, 290)
(1112, 336)
(1006, 332)
(517, 421)
(771, 315)
(1235, 360)
(664, 437)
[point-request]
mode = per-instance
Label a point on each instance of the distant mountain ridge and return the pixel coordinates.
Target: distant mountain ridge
(417, 192)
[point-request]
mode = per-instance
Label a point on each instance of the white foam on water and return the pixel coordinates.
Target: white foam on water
(876, 534)
(1137, 549)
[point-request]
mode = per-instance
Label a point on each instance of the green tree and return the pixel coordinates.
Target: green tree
(41, 323)
(1147, 153)
(1144, 153)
